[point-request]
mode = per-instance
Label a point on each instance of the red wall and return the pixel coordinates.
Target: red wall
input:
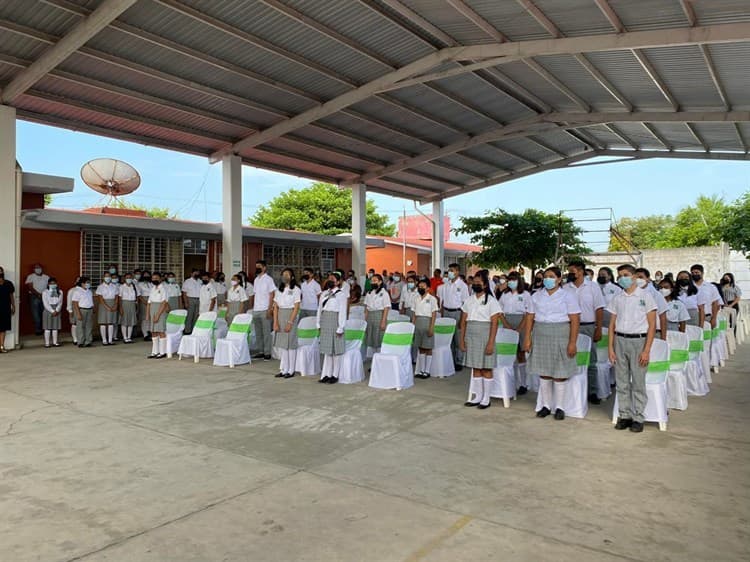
(391, 258)
(344, 260)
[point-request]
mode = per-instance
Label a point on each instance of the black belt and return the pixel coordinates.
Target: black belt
(631, 336)
(451, 309)
(79, 308)
(587, 323)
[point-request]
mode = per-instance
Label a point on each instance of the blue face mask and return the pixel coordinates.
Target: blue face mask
(410, 285)
(451, 275)
(513, 285)
(550, 283)
(625, 282)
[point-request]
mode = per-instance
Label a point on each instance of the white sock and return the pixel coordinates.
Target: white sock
(103, 332)
(476, 388)
(282, 361)
(486, 391)
(163, 346)
(73, 334)
(46, 337)
(155, 346)
(337, 365)
(521, 374)
(111, 332)
(560, 388)
(54, 337)
(130, 333)
(427, 363)
(419, 367)
(327, 370)
(545, 392)
(124, 330)
(291, 361)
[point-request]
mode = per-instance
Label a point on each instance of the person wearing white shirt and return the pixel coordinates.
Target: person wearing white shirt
(143, 288)
(128, 308)
(236, 299)
(515, 302)
(677, 314)
(377, 305)
(52, 299)
(286, 303)
(395, 287)
(689, 297)
(632, 328)
(452, 294)
(554, 321)
(425, 308)
(643, 281)
(71, 316)
(408, 297)
(221, 288)
(191, 295)
(591, 301)
(610, 290)
(107, 296)
(480, 315)
(265, 290)
(36, 284)
(174, 292)
(207, 295)
(157, 310)
(310, 294)
(709, 299)
(331, 321)
(83, 309)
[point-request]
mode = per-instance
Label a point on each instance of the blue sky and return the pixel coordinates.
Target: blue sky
(189, 185)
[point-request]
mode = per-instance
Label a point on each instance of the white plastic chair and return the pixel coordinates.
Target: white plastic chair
(175, 327)
(604, 370)
(442, 357)
(357, 312)
(392, 367)
(199, 344)
(308, 347)
(677, 394)
(234, 348)
(706, 355)
(697, 384)
(656, 386)
(731, 315)
(503, 375)
(351, 367)
(722, 325)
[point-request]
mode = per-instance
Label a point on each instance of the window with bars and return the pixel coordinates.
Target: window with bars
(129, 252)
(297, 258)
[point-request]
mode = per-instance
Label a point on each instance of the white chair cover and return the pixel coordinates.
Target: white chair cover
(308, 347)
(234, 348)
(199, 344)
(351, 367)
(722, 325)
(442, 357)
(695, 376)
(706, 355)
(576, 403)
(175, 328)
(503, 375)
(392, 367)
(604, 370)
(221, 328)
(357, 312)
(731, 323)
(677, 393)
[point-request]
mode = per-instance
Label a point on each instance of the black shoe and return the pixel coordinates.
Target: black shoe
(425, 376)
(521, 390)
(161, 356)
(333, 380)
(471, 404)
(623, 423)
(636, 427)
(559, 414)
(147, 338)
(419, 376)
(266, 358)
(258, 356)
(279, 376)
(80, 345)
(89, 345)
(56, 345)
(543, 413)
(104, 343)
(127, 342)
(289, 376)
(459, 368)
(324, 380)
(484, 406)
(47, 346)
(593, 399)
(112, 343)
(152, 356)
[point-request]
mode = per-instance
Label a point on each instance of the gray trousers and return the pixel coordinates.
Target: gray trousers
(262, 327)
(458, 355)
(631, 378)
(85, 326)
(193, 311)
(592, 371)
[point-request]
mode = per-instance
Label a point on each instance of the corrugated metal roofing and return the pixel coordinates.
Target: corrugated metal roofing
(200, 76)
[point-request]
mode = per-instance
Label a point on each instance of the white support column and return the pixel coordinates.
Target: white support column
(438, 232)
(10, 212)
(231, 230)
(359, 230)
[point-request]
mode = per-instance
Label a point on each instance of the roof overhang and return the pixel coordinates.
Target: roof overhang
(42, 184)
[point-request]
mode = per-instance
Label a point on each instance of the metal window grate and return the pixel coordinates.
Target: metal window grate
(129, 252)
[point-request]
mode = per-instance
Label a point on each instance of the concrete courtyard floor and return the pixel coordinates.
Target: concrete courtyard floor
(106, 456)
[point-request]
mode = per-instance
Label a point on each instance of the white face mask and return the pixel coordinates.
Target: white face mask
(107, 280)
(38, 270)
(666, 292)
(234, 283)
(640, 283)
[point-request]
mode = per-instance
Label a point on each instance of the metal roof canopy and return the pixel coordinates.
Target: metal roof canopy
(422, 99)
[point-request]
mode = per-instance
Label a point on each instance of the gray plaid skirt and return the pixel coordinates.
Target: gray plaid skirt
(282, 339)
(330, 342)
(421, 327)
(477, 335)
(549, 351)
(515, 321)
(50, 322)
(129, 317)
(694, 317)
(374, 335)
(161, 325)
(105, 316)
(233, 309)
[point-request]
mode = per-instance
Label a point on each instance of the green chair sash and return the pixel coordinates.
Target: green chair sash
(658, 367)
(205, 324)
(603, 343)
(308, 333)
(239, 328)
(583, 358)
(444, 329)
(696, 346)
(175, 319)
(397, 339)
(679, 356)
(505, 348)
(706, 335)
(353, 335)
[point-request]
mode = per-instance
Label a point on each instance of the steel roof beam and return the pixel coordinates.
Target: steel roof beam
(741, 137)
(552, 79)
(642, 154)
(81, 32)
(658, 136)
(620, 135)
(697, 136)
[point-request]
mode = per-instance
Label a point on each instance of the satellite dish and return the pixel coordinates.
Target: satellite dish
(110, 177)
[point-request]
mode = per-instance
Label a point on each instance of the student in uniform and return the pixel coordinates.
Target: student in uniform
(538, 283)
(107, 298)
(116, 285)
(174, 293)
(632, 329)
(408, 296)
(709, 299)
(143, 287)
(331, 321)
(310, 294)
(71, 316)
(515, 303)
(606, 281)
(83, 309)
(689, 297)
(221, 288)
(52, 300)
(157, 310)
(452, 294)
(191, 297)
(265, 291)
(480, 315)
(237, 299)
(128, 308)
(207, 295)
(643, 281)
(554, 321)
(286, 304)
(425, 310)
(677, 314)
(377, 305)
(395, 288)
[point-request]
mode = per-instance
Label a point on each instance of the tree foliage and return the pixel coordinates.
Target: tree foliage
(736, 228)
(642, 232)
(152, 212)
(529, 238)
(321, 208)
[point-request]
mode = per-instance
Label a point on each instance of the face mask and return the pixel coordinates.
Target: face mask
(696, 277)
(549, 283)
(658, 278)
(477, 288)
(683, 282)
(108, 280)
(640, 283)
(502, 282)
(396, 278)
(195, 275)
(137, 276)
(572, 277)
(53, 286)
(422, 291)
(375, 286)
(350, 281)
(329, 285)
(129, 281)
(513, 285)
(205, 281)
(305, 277)
(410, 286)
(38, 270)
(369, 275)
(602, 280)
(625, 282)
(666, 292)
(234, 282)
(258, 271)
(538, 282)
(115, 280)
(156, 282)
(147, 278)
(725, 281)
(87, 286)
(451, 275)
(112, 270)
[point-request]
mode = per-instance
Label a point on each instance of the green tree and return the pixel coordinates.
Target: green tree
(322, 208)
(151, 212)
(736, 227)
(47, 199)
(700, 224)
(529, 238)
(651, 231)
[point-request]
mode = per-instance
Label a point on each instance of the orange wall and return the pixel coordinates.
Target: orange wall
(59, 252)
(391, 258)
(344, 260)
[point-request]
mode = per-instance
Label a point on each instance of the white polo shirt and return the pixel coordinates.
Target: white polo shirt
(378, 300)
(287, 298)
(144, 288)
(158, 294)
(554, 308)
(408, 298)
(515, 303)
(108, 291)
(207, 294)
(610, 291)
(39, 282)
(221, 288)
(310, 293)
(53, 302)
(127, 292)
(690, 302)
(192, 288)
(424, 305)
(707, 295)
(590, 299)
(172, 289)
(264, 287)
(334, 301)
(676, 312)
(249, 290)
(84, 297)
(237, 294)
(631, 310)
(453, 294)
(477, 310)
